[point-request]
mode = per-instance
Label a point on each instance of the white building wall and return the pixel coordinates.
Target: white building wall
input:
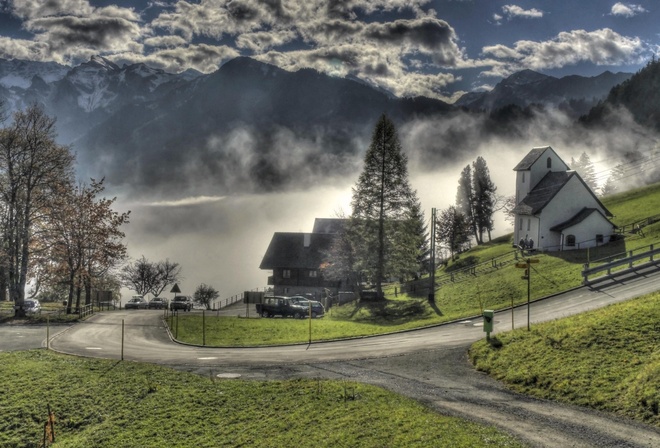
(566, 204)
(585, 232)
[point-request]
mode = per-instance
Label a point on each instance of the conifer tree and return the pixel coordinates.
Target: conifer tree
(386, 220)
(484, 197)
(465, 200)
(585, 168)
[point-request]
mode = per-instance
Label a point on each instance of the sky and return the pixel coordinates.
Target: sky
(434, 48)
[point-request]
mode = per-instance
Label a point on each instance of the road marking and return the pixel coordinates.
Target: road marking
(93, 348)
(208, 357)
(228, 375)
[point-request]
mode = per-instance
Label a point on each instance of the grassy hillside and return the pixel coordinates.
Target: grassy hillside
(103, 403)
(467, 295)
(607, 359)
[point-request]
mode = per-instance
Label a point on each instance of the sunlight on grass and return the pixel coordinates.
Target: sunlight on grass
(102, 403)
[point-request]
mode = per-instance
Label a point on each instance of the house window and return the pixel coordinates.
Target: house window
(599, 238)
(523, 177)
(549, 163)
(521, 223)
(286, 273)
(570, 240)
(529, 223)
(313, 274)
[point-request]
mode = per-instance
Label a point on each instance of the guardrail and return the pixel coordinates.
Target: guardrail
(624, 259)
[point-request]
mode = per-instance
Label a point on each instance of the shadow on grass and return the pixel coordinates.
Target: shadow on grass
(391, 312)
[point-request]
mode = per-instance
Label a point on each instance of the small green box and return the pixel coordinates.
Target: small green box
(489, 316)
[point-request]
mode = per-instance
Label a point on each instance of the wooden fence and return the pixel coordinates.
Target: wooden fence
(620, 263)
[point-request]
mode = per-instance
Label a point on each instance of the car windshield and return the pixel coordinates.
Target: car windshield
(30, 303)
(134, 300)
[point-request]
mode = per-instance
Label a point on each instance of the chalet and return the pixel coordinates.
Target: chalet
(556, 209)
(296, 260)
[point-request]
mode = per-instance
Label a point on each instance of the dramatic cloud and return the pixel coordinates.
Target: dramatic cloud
(514, 11)
(600, 47)
(627, 9)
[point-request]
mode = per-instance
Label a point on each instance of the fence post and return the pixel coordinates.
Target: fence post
(630, 265)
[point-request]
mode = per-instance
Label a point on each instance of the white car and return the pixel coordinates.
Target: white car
(136, 303)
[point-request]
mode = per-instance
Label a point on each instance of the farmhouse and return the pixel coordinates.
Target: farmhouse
(556, 209)
(296, 259)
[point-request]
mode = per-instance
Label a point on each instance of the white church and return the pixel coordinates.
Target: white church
(556, 209)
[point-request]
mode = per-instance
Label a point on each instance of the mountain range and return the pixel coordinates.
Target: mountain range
(240, 124)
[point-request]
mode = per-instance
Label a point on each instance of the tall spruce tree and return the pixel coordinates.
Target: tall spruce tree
(484, 197)
(465, 200)
(387, 224)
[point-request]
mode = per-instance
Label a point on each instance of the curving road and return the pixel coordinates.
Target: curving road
(429, 365)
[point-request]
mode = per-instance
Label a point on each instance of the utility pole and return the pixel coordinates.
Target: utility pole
(528, 270)
(432, 276)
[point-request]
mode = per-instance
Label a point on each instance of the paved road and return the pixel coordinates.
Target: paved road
(429, 365)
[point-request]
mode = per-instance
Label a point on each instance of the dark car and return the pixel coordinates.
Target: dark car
(280, 306)
(318, 310)
(184, 303)
(157, 303)
(136, 303)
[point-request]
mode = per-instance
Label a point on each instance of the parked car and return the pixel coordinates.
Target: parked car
(184, 303)
(31, 306)
(157, 303)
(318, 310)
(280, 306)
(136, 303)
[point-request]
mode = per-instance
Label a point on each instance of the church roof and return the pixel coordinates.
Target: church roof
(543, 192)
(547, 188)
(531, 157)
(577, 219)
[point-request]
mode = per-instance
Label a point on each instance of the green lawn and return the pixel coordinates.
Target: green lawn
(103, 403)
(608, 359)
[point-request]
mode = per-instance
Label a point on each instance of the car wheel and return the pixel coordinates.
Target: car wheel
(264, 314)
(314, 315)
(298, 316)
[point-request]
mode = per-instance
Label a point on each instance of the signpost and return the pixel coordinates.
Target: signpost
(526, 265)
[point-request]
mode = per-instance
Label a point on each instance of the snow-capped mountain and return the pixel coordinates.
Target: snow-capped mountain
(244, 123)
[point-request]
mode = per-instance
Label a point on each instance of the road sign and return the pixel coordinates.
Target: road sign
(175, 289)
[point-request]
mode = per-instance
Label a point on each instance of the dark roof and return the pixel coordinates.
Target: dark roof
(543, 192)
(287, 250)
(531, 157)
(581, 216)
(546, 189)
(328, 225)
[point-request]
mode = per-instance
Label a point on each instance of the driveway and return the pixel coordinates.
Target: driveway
(429, 365)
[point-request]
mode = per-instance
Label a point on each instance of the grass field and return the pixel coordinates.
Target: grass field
(608, 359)
(467, 296)
(103, 403)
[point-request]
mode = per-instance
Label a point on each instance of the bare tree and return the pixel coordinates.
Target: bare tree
(144, 276)
(205, 295)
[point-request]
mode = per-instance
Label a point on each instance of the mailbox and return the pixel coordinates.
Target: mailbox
(489, 315)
